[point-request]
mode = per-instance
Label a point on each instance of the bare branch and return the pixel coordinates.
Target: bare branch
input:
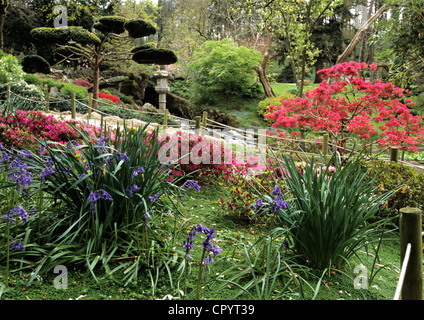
(360, 33)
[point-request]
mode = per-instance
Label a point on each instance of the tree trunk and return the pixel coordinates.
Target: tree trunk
(364, 38)
(1, 31)
(269, 92)
(318, 66)
(160, 23)
(96, 80)
(261, 70)
(358, 36)
(302, 75)
(370, 60)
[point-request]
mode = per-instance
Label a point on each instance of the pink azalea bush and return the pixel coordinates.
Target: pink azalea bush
(346, 105)
(20, 129)
(83, 83)
(209, 157)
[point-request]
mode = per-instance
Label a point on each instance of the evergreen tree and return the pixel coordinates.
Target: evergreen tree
(112, 33)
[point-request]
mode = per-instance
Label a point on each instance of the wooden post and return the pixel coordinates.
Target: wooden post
(73, 113)
(302, 136)
(8, 98)
(204, 120)
(325, 145)
(47, 98)
(90, 104)
(165, 118)
(411, 232)
(197, 125)
(394, 152)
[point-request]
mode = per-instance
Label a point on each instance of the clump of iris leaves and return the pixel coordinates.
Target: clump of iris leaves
(90, 203)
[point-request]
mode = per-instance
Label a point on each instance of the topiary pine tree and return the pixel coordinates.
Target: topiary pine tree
(112, 33)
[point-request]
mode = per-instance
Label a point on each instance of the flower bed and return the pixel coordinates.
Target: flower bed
(21, 129)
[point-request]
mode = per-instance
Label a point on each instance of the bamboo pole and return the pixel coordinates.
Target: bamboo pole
(325, 146)
(90, 104)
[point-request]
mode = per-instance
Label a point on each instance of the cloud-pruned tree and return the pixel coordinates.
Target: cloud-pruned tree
(106, 44)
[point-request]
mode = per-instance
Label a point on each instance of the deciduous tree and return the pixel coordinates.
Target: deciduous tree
(297, 20)
(352, 107)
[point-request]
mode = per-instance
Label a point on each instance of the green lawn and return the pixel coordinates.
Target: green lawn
(279, 88)
(245, 109)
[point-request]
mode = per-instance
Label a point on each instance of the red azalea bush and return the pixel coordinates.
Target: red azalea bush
(348, 106)
(110, 97)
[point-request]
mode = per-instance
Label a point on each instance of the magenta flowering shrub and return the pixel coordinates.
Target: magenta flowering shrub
(209, 157)
(83, 83)
(19, 130)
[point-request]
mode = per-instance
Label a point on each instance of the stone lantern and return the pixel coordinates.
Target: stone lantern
(162, 88)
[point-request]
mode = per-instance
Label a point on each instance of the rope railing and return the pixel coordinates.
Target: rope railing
(403, 272)
(201, 125)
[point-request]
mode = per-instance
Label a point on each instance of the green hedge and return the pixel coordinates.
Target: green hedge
(68, 88)
(409, 180)
(64, 88)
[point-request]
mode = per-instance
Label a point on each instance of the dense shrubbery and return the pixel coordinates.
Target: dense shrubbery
(124, 98)
(10, 68)
(346, 103)
(65, 88)
(407, 180)
(68, 88)
(328, 210)
(108, 96)
(20, 129)
(33, 97)
(112, 199)
(35, 63)
(223, 67)
(205, 156)
(263, 106)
